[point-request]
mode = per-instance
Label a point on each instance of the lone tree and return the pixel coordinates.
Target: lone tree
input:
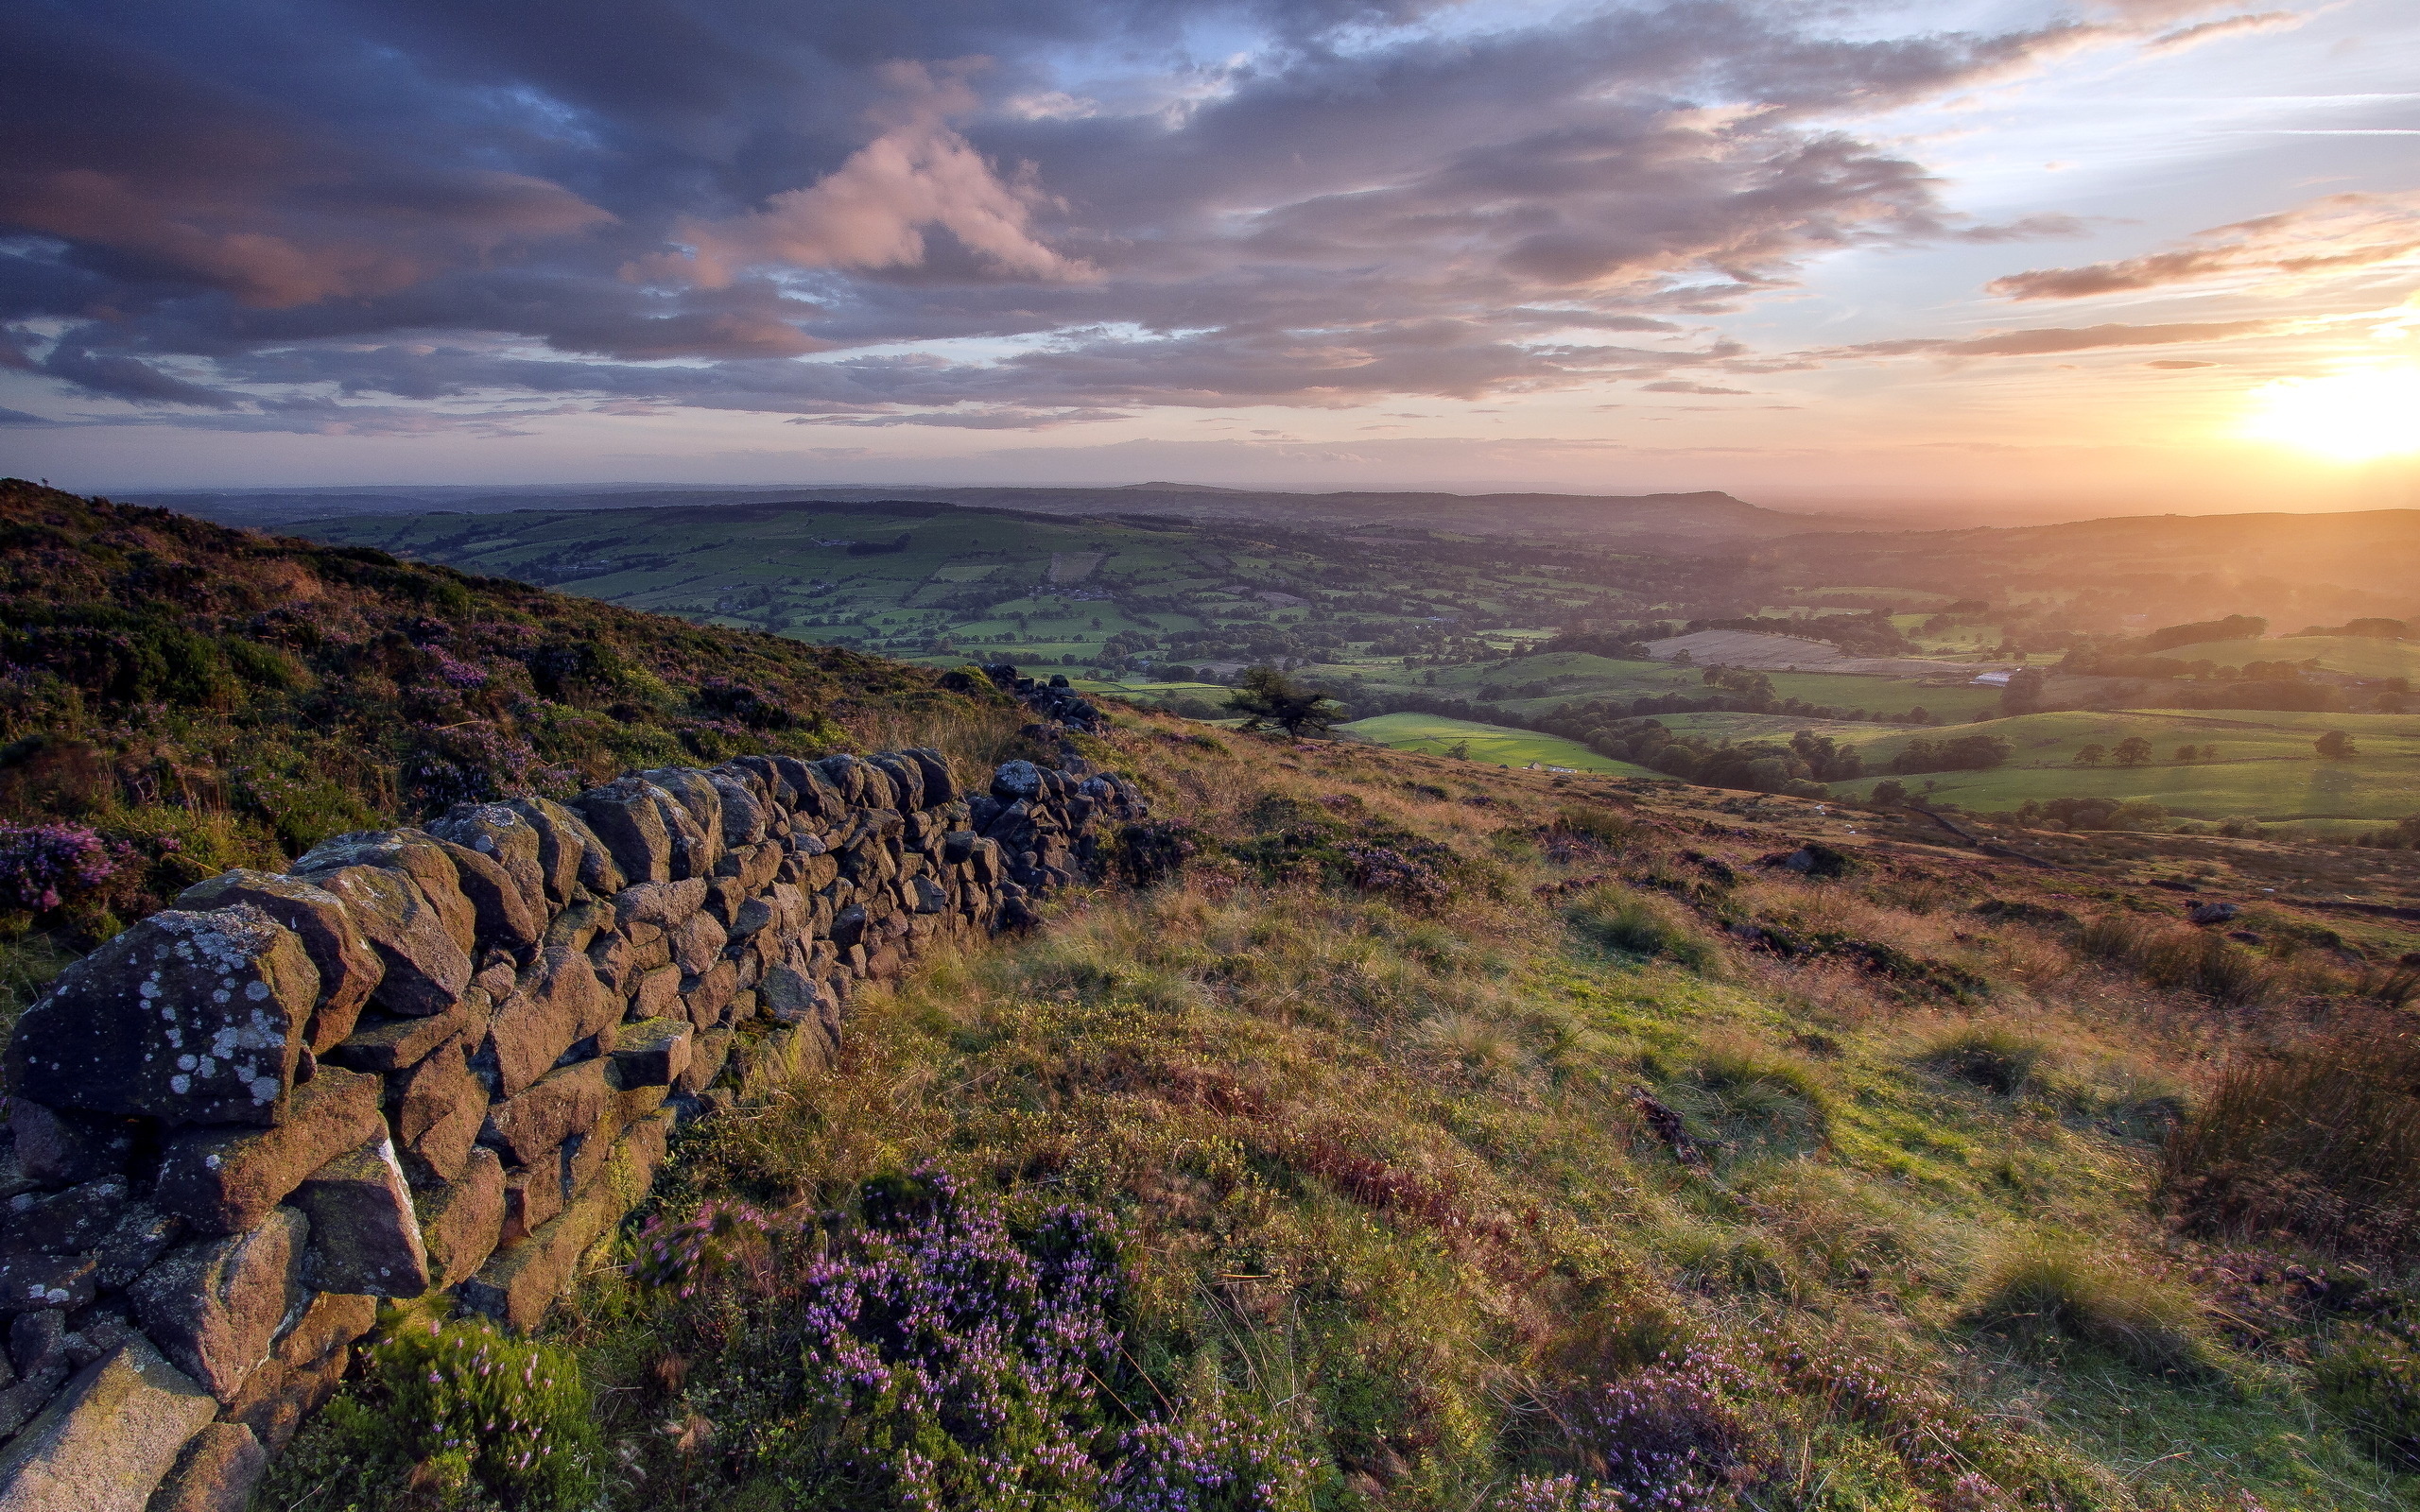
(2335, 746)
(1267, 695)
(2090, 756)
(2134, 751)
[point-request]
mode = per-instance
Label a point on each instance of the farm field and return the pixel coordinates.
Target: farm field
(1564, 677)
(2360, 655)
(2265, 768)
(1494, 745)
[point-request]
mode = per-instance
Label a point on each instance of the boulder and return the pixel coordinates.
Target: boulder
(700, 804)
(623, 815)
(697, 943)
(814, 794)
(907, 778)
(386, 1044)
(216, 1472)
(743, 815)
(569, 852)
(349, 969)
(223, 1181)
(460, 1222)
(526, 1126)
(940, 785)
(1017, 780)
(214, 1305)
(365, 1235)
(141, 1234)
(412, 853)
(707, 1052)
(853, 779)
(558, 1002)
(504, 917)
(2213, 913)
(104, 1443)
(37, 1279)
(658, 992)
(426, 968)
(188, 1018)
(501, 834)
(652, 1053)
(64, 1148)
(532, 1196)
(62, 1223)
(703, 1000)
(663, 903)
(438, 1105)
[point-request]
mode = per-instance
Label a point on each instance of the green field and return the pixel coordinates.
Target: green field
(1574, 678)
(1494, 745)
(2265, 768)
(2360, 655)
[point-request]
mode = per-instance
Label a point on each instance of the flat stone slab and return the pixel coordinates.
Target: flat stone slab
(104, 1443)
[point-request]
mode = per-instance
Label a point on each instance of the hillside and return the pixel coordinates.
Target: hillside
(1441, 1138)
(188, 697)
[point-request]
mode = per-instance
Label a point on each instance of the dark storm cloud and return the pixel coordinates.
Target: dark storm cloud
(355, 212)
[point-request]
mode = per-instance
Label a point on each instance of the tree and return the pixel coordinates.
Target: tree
(2184, 754)
(2335, 746)
(1263, 694)
(2090, 756)
(2134, 751)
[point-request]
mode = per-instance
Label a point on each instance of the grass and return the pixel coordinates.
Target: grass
(1389, 1200)
(2361, 655)
(1493, 745)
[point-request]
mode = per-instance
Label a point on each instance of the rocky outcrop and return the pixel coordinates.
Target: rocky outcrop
(445, 1058)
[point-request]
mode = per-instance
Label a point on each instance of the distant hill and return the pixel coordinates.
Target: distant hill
(1678, 522)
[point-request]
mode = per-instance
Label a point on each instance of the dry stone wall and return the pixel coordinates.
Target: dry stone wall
(448, 1058)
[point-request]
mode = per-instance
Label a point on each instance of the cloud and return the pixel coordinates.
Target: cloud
(18, 417)
(2193, 36)
(2179, 364)
(2341, 234)
(2054, 340)
(1674, 385)
(874, 209)
(1015, 217)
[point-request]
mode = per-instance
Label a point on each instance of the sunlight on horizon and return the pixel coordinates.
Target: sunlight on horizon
(2359, 415)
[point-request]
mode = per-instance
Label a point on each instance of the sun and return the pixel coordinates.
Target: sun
(2349, 417)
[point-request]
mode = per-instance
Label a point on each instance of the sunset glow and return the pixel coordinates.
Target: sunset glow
(2346, 417)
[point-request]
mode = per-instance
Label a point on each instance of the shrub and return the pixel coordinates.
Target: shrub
(451, 1416)
(2373, 1382)
(2033, 1293)
(2321, 1140)
(1672, 1436)
(43, 865)
(1993, 1057)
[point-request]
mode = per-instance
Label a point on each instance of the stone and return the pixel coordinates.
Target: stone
(517, 1286)
(706, 1055)
(37, 1341)
(140, 1236)
(105, 1442)
(37, 1280)
(623, 815)
(503, 917)
(578, 926)
(652, 1053)
(742, 815)
(665, 904)
(426, 968)
(615, 961)
(703, 1000)
(386, 1045)
(97, 1331)
(792, 996)
(223, 1181)
(66, 1148)
(499, 833)
(559, 1003)
(697, 943)
(816, 795)
(696, 827)
(349, 969)
(532, 1196)
(213, 1306)
(524, 1127)
(438, 1109)
(930, 896)
(2213, 913)
(22, 1399)
(906, 777)
(569, 853)
(365, 1235)
(1015, 780)
(412, 853)
(461, 1222)
(282, 1393)
(658, 992)
(216, 1472)
(188, 1018)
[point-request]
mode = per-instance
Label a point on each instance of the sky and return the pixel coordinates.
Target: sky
(2124, 256)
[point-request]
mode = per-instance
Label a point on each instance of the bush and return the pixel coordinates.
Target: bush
(1671, 1436)
(1993, 1057)
(2373, 1383)
(450, 1417)
(2321, 1140)
(43, 865)
(2035, 1292)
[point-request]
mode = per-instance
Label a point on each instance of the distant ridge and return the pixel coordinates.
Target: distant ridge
(1673, 520)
